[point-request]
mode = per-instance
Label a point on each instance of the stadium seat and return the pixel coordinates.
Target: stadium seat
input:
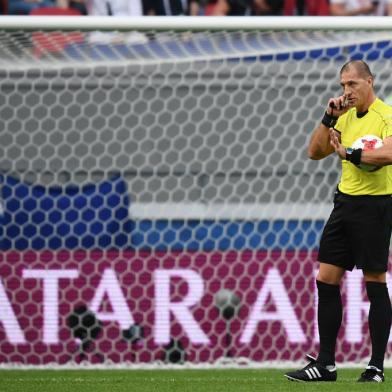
(54, 42)
(55, 11)
(4, 7)
(47, 217)
(312, 7)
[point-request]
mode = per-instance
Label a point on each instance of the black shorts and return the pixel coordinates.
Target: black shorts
(358, 233)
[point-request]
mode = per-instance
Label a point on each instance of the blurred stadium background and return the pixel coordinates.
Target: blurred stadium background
(157, 204)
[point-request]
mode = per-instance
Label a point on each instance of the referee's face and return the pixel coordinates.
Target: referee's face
(357, 89)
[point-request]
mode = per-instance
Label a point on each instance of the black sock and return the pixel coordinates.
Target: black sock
(329, 320)
(380, 314)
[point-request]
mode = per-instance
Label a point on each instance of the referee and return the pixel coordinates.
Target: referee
(357, 234)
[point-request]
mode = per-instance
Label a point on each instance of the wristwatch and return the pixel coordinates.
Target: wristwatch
(349, 152)
(354, 155)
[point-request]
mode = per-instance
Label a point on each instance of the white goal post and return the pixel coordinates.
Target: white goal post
(156, 200)
(195, 23)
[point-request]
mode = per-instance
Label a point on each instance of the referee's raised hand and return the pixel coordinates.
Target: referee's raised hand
(335, 143)
(338, 106)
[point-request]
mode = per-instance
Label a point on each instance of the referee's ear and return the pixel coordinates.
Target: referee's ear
(371, 80)
(372, 77)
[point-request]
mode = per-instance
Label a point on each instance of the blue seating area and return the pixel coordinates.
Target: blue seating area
(71, 217)
(201, 45)
(224, 235)
(97, 216)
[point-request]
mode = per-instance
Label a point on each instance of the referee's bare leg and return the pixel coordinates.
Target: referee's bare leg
(330, 274)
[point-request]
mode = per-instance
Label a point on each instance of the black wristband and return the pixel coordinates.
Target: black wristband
(354, 155)
(328, 120)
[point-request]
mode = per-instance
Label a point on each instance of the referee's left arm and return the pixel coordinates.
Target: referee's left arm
(381, 156)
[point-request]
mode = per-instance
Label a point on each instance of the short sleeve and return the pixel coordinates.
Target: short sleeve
(387, 130)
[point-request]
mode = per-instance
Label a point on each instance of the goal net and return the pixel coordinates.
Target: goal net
(157, 202)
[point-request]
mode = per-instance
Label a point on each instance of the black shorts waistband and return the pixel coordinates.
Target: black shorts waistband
(339, 192)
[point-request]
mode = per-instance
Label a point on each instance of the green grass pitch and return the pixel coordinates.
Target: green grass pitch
(227, 380)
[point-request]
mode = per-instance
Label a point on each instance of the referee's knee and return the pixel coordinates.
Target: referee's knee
(330, 274)
(374, 276)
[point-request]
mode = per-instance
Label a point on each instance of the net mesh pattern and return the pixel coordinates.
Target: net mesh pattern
(157, 202)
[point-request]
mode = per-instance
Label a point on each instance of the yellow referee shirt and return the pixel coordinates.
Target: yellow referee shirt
(377, 121)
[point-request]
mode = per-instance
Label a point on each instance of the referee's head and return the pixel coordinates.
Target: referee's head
(360, 66)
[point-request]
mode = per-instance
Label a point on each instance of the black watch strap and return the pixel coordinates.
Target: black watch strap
(328, 120)
(354, 155)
